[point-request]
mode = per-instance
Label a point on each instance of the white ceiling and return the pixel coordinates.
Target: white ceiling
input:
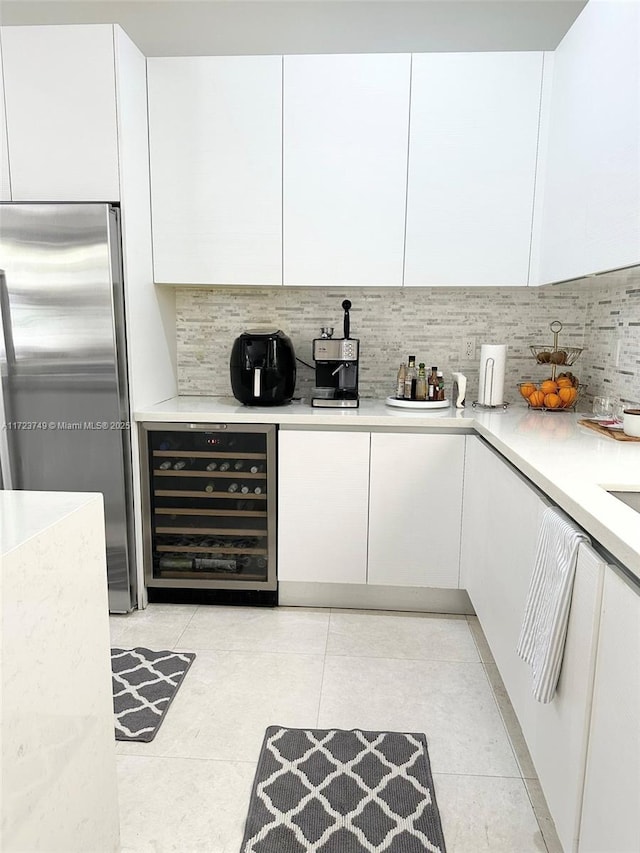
(209, 27)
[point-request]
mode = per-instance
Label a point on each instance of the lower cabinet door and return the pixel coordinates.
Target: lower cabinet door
(415, 510)
(610, 814)
(323, 485)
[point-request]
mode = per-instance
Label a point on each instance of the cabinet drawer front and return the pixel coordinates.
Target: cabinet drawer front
(415, 510)
(322, 506)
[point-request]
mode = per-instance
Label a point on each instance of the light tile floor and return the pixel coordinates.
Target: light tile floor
(188, 790)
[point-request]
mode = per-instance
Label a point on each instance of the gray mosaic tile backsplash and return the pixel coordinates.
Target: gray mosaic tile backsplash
(431, 323)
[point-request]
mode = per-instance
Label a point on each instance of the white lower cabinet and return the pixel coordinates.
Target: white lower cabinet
(377, 508)
(415, 509)
(501, 516)
(323, 485)
(611, 810)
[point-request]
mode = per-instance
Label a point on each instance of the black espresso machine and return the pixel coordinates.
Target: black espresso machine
(263, 368)
(336, 368)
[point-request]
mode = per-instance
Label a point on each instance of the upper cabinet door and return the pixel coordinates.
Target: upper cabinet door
(61, 112)
(345, 163)
(5, 185)
(472, 166)
(591, 211)
(215, 131)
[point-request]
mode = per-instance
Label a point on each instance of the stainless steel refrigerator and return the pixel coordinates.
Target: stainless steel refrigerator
(64, 406)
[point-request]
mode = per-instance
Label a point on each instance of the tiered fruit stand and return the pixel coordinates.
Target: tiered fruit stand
(561, 391)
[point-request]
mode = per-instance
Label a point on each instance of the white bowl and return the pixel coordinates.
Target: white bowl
(631, 422)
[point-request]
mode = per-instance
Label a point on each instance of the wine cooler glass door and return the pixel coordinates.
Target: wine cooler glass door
(211, 506)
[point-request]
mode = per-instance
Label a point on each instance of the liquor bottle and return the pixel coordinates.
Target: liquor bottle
(164, 466)
(232, 487)
(224, 466)
(421, 383)
(211, 466)
(432, 388)
(238, 466)
(210, 487)
(440, 385)
(410, 379)
(402, 372)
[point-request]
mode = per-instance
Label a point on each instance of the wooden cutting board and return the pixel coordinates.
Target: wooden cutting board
(612, 433)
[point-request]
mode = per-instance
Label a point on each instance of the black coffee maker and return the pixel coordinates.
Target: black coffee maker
(336, 367)
(263, 368)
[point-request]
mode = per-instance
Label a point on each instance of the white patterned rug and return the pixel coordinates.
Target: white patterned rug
(144, 685)
(333, 791)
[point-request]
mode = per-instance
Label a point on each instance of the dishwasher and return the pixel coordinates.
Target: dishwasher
(209, 512)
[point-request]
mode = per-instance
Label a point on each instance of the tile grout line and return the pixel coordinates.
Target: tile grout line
(324, 664)
(181, 635)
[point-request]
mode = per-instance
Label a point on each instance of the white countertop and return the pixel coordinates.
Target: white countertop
(568, 462)
(24, 515)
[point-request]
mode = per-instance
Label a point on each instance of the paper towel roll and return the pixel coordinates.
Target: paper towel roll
(493, 359)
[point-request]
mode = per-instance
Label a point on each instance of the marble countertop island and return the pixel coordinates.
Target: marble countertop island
(56, 727)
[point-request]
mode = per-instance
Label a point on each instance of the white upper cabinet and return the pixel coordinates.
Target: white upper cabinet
(591, 181)
(345, 165)
(215, 130)
(60, 99)
(5, 185)
(472, 167)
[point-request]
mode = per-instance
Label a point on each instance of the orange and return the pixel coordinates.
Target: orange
(552, 401)
(527, 389)
(564, 382)
(549, 387)
(567, 395)
(537, 399)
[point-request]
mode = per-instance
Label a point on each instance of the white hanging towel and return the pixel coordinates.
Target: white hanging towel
(546, 615)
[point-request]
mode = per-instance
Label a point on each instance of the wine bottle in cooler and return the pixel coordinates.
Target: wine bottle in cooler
(210, 487)
(238, 466)
(224, 466)
(164, 466)
(233, 487)
(211, 466)
(256, 469)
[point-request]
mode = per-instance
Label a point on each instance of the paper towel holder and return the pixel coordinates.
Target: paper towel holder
(487, 389)
(491, 381)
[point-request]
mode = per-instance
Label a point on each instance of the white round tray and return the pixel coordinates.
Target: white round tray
(417, 404)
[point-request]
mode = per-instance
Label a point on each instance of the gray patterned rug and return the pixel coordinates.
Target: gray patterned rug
(144, 685)
(333, 791)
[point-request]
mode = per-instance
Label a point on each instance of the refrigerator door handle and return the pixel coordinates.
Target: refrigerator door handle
(7, 360)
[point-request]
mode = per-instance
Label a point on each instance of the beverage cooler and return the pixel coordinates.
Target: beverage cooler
(210, 518)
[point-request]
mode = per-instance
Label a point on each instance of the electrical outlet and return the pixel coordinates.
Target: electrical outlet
(468, 349)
